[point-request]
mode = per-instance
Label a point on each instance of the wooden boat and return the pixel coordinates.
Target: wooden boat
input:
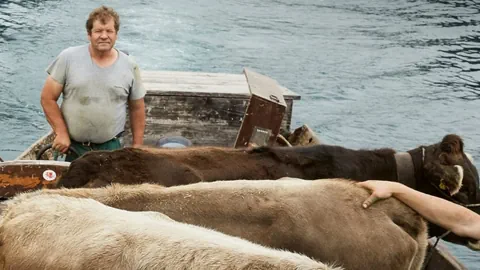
(206, 108)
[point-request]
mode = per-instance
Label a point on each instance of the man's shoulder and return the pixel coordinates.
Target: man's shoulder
(132, 63)
(74, 50)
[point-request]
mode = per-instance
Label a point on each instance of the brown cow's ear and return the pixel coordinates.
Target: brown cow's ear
(452, 144)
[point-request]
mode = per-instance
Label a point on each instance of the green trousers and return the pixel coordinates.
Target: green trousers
(82, 149)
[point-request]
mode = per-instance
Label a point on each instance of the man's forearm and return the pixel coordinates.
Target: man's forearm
(54, 116)
(439, 211)
(137, 123)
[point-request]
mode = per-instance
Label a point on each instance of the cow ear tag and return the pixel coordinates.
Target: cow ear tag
(442, 185)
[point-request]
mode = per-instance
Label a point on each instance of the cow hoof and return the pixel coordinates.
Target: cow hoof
(474, 245)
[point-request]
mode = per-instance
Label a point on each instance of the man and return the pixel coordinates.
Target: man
(456, 218)
(97, 81)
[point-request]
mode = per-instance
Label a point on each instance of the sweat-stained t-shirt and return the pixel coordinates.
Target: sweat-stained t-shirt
(95, 98)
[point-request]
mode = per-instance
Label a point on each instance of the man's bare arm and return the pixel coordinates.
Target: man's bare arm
(460, 220)
(137, 120)
(50, 93)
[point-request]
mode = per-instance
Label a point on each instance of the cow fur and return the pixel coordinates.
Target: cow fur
(48, 231)
(322, 219)
(435, 168)
(435, 165)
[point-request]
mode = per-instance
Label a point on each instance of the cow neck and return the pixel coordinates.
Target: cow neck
(405, 169)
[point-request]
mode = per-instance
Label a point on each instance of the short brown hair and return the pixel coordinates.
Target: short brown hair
(103, 14)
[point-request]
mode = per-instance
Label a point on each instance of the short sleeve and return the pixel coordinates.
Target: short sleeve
(58, 68)
(138, 90)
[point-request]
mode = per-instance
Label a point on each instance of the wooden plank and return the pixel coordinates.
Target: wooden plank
(287, 118)
(31, 152)
(201, 135)
(237, 78)
(197, 134)
(209, 116)
(26, 175)
(289, 94)
(203, 120)
(178, 74)
(189, 89)
(194, 81)
(442, 259)
(194, 78)
(195, 110)
(264, 87)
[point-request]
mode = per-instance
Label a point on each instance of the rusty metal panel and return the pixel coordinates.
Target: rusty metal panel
(261, 123)
(265, 111)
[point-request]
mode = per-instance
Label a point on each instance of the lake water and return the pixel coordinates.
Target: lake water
(377, 73)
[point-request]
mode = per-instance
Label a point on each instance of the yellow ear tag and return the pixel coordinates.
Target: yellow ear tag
(442, 185)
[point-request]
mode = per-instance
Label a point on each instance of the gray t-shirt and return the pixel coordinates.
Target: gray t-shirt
(95, 98)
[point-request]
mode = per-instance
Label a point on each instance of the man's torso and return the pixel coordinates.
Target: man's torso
(95, 98)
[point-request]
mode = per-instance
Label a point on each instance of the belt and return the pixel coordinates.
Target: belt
(89, 143)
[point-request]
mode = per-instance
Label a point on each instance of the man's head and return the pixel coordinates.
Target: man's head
(102, 26)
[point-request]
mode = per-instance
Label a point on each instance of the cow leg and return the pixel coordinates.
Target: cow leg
(422, 245)
(413, 247)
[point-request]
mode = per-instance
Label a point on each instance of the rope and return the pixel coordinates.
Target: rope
(429, 256)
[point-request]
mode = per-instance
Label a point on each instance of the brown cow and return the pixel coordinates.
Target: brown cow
(44, 231)
(322, 219)
(441, 169)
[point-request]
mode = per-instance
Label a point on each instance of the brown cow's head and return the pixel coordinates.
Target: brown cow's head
(83, 171)
(445, 170)
(450, 171)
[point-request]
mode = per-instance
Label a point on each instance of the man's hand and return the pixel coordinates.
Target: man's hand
(380, 190)
(61, 142)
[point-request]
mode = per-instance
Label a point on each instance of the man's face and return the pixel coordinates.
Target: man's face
(103, 36)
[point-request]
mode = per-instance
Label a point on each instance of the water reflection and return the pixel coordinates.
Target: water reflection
(461, 59)
(458, 59)
(363, 67)
(13, 14)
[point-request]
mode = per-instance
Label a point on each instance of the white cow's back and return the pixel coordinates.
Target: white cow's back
(57, 232)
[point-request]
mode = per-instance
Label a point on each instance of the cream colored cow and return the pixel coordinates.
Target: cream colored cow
(52, 232)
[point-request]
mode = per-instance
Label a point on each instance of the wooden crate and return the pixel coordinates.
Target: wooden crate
(206, 108)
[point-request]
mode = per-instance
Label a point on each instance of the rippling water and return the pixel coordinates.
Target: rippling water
(372, 74)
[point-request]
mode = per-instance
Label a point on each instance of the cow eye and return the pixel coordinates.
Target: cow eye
(443, 159)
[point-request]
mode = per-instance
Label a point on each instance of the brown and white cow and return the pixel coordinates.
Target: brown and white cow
(45, 231)
(440, 169)
(322, 219)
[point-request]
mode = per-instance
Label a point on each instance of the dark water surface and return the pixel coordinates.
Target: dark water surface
(372, 74)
